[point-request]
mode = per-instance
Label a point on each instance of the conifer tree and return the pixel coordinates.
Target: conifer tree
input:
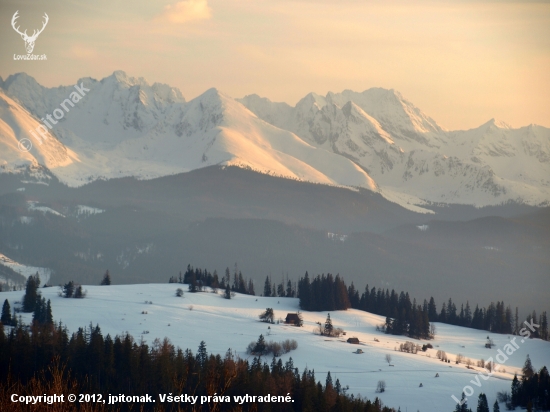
(543, 326)
(267, 287)
(227, 293)
(260, 346)
(328, 330)
(289, 291)
(482, 405)
(462, 406)
(6, 314)
(202, 355)
(106, 281)
(328, 382)
(338, 387)
(527, 369)
(496, 408)
(267, 316)
(515, 391)
(250, 289)
(68, 289)
(31, 293)
(79, 293)
(49, 314)
(41, 312)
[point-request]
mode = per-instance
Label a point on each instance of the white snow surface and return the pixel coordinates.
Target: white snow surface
(32, 205)
(124, 127)
(234, 323)
(411, 157)
(375, 139)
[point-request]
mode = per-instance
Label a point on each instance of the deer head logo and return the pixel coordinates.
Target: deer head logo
(29, 40)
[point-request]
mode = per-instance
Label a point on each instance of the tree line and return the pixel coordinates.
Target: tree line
(329, 293)
(403, 317)
(532, 391)
(35, 358)
(199, 279)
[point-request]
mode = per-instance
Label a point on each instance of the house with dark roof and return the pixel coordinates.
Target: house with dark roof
(293, 319)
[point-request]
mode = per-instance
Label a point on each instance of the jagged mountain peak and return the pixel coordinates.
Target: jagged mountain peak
(495, 124)
(312, 99)
(126, 127)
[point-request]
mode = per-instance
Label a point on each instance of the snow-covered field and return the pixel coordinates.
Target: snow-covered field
(224, 324)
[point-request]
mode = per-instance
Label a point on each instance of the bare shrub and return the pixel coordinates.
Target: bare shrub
(441, 355)
(381, 387)
(336, 332)
(275, 348)
(408, 347)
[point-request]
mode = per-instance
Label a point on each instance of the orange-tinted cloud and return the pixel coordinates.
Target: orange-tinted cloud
(184, 11)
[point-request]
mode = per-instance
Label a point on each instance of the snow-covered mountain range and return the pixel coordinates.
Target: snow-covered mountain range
(376, 140)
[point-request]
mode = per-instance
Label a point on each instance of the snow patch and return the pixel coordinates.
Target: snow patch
(26, 271)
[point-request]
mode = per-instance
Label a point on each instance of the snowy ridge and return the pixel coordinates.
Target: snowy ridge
(376, 140)
(411, 157)
(123, 127)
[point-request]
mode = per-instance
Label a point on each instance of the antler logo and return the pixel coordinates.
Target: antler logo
(29, 40)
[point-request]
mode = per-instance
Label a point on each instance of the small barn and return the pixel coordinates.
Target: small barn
(293, 319)
(354, 341)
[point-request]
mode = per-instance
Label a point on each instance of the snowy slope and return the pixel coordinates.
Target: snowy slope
(376, 139)
(15, 123)
(124, 127)
(224, 324)
(24, 270)
(411, 157)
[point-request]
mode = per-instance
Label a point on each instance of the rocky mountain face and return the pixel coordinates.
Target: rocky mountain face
(411, 157)
(377, 140)
(125, 127)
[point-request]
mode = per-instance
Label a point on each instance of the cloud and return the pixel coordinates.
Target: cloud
(184, 11)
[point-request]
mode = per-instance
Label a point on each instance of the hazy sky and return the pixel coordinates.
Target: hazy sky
(462, 62)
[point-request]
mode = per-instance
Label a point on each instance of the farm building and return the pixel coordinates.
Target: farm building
(355, 341)
(293, 319)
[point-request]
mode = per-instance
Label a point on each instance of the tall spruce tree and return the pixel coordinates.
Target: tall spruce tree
(31, 293)
(328, 330)
(202, 354)
(482, 405)
(267, 287)
(527, 369)
(106, 281)
(6, 314)
(49, 314)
